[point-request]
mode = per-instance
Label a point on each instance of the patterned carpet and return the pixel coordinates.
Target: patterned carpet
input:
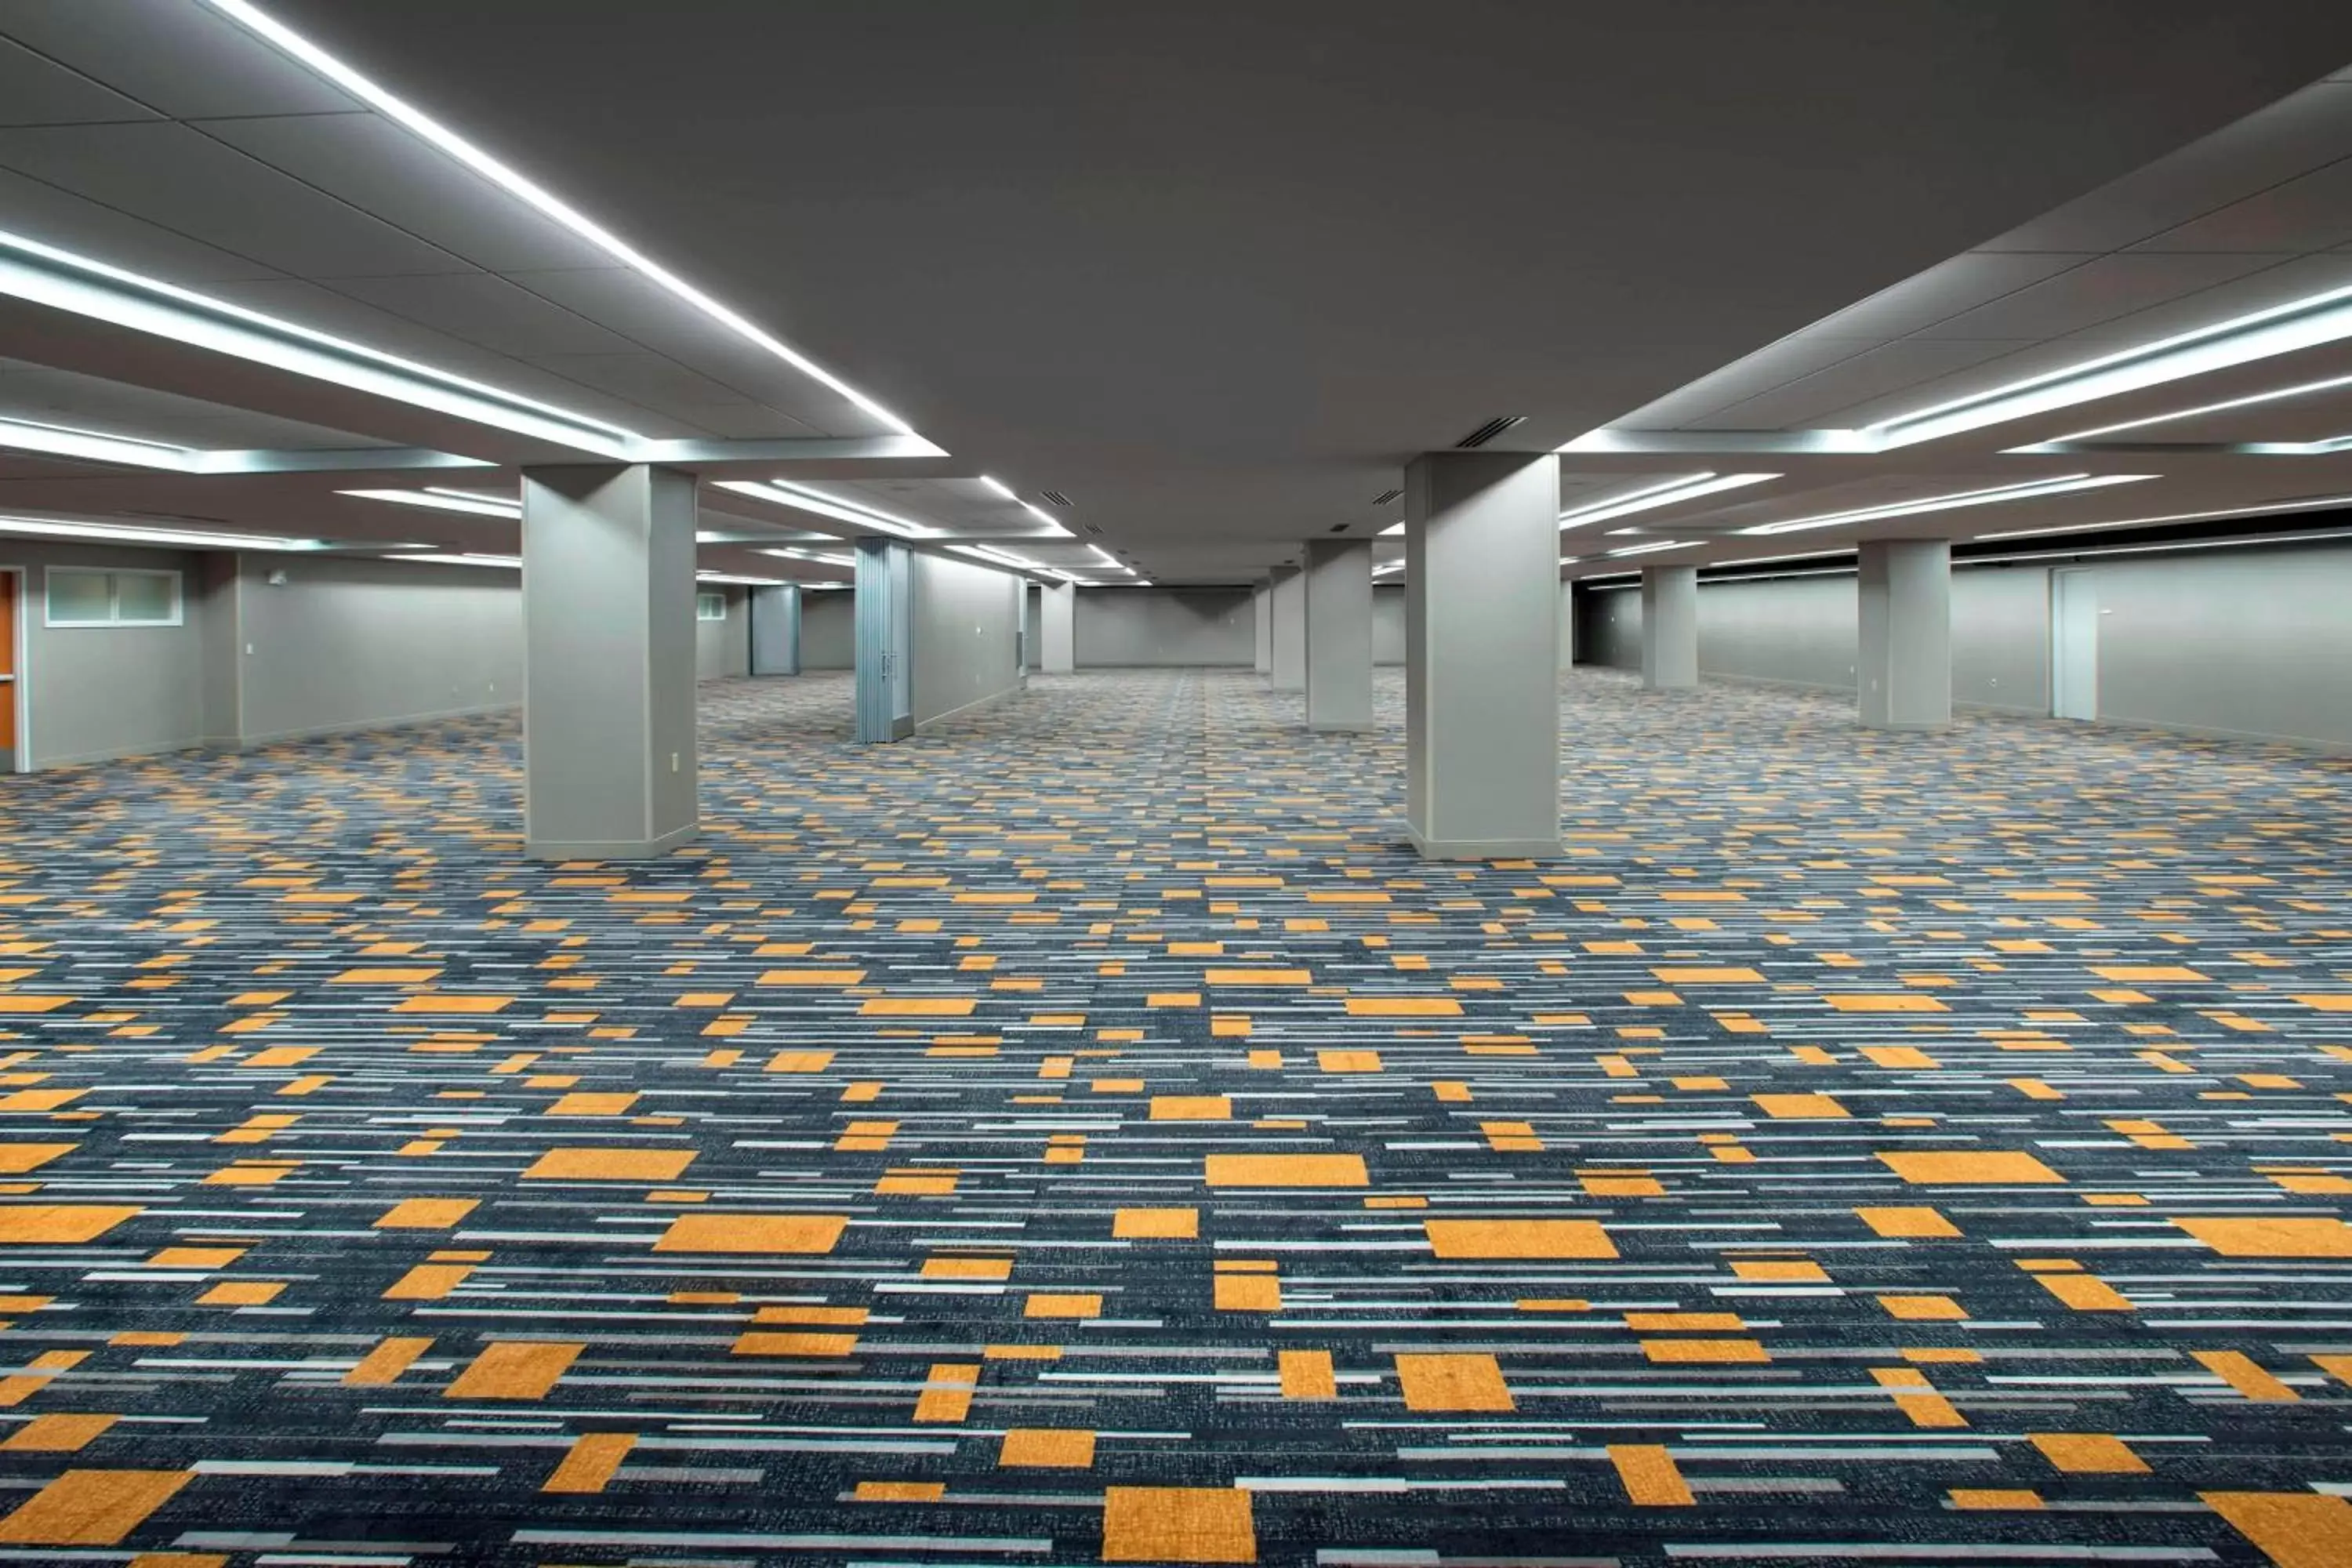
(1083, 1134)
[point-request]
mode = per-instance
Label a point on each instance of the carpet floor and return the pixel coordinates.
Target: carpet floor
(1084, 1134)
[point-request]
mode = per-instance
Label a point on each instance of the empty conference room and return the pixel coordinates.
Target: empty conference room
(1342, 784)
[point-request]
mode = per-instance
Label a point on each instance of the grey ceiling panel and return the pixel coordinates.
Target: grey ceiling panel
(2015, 362)
(183, 180)
(2312, 213)
(115, 409)
(2101, 291)
(644, 311)
(1949, 289)
(2302, 132)
(1694, 407)
(177, 56)
(1824, 399)
(87, 228)
(35, 91)
(374, 164)
(486, 310)
(2276, 283)
(644, 377)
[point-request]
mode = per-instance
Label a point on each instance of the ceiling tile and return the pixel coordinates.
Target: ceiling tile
(2303, 131)
(485, 310)
(1824, 398)
(372, 163)
(2096, 291)
(176, 56)
(38, 92)
(2313, 211)
(182, 180)
(86, 227)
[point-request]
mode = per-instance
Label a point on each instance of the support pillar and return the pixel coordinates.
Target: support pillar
(1287, 611)
(776, 630)
(1482, 639)
(1262, 610)
(608, 661)
(1058, 627)
(1338, 577)
(884, 610)
(1904, 677)
(1567, 625)
(1670, 628)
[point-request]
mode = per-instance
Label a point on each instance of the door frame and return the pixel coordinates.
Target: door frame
(20, 581)
(2061, 596)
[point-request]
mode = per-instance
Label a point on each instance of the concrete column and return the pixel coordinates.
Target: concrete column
(1287, 612)
(1904, 677)
(1058, 627)
(1338, 577)
(1482, 639)
(608, 661)
(1262, 608)
(1669, 627)
(776, 630)
(1567, 625)
(884, 609)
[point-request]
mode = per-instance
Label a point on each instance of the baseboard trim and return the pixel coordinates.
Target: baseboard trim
(1483, 848)
(617, 849)
(361, 726)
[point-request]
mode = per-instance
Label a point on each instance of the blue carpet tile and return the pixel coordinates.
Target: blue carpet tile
(1084, 1133)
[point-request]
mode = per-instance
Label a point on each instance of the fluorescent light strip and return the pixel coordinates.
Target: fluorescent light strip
(182, 315)
(789, 555)
(93, 446)
(857, 515)
(998, 486)
(180, 538)
(1113, 562)
(741, 581)
(1662, 544)
(512, 562)
(1047, 518)
(443, 500)
(2310, 504)
(2304, 390)
(994, 556)
(2064, 485)
(2303, 323)
(433, 131)
(1688, 488)
(2065, 555)
(1391, 529)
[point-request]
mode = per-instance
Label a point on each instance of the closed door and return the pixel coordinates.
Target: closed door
(2073, 645)
(10, 581)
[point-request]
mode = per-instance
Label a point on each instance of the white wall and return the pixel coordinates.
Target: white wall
(1387, 623)
(96, 693)
(1166, 626)
(828, 628)
(2251, 643)
(724, 647)
(351, 643)
(967, 620)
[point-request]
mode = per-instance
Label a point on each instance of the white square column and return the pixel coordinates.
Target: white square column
(1904, 676)
(1482, 654)
(1262, 613)
(608, 661)
(1340, 634)
(1567, 625)
(1286, 609)
(1670, 628)
(776, 630)
(1058, 627)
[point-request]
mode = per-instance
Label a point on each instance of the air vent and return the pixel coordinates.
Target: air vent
(1492, 429)
(1339, 528)
(1387, 496)
(1056, 496)
(1090, 528)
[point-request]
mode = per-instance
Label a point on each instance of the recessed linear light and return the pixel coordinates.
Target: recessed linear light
(509, 562)
(2303, 323)
(856, 514)
(1569, 560)
(998, 486)
(1690, 486)
(186, 539)
(2279, 395)
(1047, 518)
(438, 135)
(443, 500)
(166, 311)
(1392, 529)
(2308, 503)
(96, 446)
(996, 557)
(791, 554)
(741, 581)
(1662, 544)
(1113, 562)
(2064, 485)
